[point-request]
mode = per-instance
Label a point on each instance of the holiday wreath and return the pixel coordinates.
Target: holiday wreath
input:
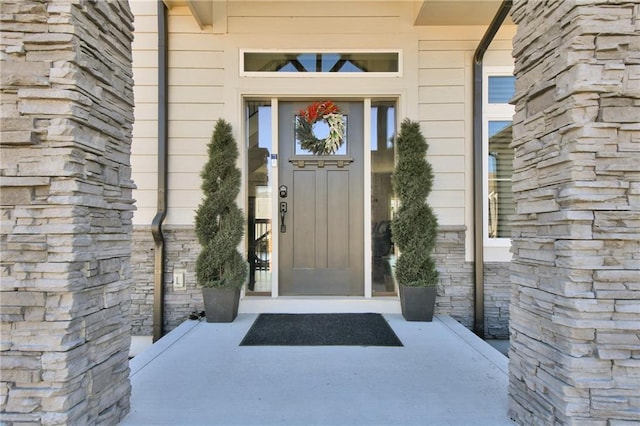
(328, 112)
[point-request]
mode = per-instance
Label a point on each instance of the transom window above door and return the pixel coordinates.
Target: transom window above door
(385, 63)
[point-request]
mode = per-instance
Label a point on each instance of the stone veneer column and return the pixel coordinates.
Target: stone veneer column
(575, 308)
(66, 209)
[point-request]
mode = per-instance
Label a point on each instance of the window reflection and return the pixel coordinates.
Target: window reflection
(259, 235)
(344, 62)
(383, 200)
(500, 171)
(501, 89)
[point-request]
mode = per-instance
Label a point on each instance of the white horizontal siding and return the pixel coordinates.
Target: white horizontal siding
(208, 112)
(197, 58)
(147, 182)
(146, 20)
(181, 215)
(446, 199)
(313, 25)
(188, 129)
(443, 112)
(185, 181)
(144, 163)
(196, 100)
(205, 85)
(196, 41)
(304, 18)
(447, 163)
(441, 59)
(145, 77)
(146, 129)
(443, 129)
(445, 83)
(442, 77)
(146, 94)
(196, 76)
(148, 179)
(145, 58)
(181, 164)
(444, 181)
(446, 146)
(146, 146)
(145, 41)
(140, 8)
(186, 198)
(450, 216)
(146, 200)
(441, 94)
(195, 94)
(498, 58)
(144, 143)
(145, 111)
(189, 146)
(322, 9)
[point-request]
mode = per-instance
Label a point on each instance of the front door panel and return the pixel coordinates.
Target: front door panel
(321, 242)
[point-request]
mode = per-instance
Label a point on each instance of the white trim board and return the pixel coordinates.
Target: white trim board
(292, 305)
(256, 303)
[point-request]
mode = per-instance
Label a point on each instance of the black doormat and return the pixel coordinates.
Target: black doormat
(320, 330)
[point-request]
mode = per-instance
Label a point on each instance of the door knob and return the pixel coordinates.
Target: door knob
(283, 214)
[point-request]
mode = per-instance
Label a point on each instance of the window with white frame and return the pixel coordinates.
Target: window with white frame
(290, 63)
(499, 204)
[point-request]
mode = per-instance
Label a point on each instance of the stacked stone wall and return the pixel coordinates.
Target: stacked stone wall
(142, 264)
(497, 296)
(66, 211)
(181, 250)
(455, 292)
(575, 316)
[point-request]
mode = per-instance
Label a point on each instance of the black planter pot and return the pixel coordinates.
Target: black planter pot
(418, 303)
(220, 304)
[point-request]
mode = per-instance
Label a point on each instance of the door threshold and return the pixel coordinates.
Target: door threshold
(318, 304)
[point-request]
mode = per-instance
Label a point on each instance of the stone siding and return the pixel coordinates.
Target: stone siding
(575, 311)
(142, 263)
(497, 296)
(181, 251)
(455, 293)
(66, 211)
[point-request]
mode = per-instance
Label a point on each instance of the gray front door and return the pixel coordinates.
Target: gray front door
(321, 243)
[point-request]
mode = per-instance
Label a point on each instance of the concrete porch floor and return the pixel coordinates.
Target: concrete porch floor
(198, 375)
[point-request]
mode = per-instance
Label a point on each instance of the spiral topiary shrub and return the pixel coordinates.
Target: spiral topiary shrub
(415, 226)
(219, 220)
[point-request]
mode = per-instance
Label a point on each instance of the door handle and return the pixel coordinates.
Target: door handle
(283, 214)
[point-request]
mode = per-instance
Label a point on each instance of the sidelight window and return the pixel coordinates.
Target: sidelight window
(499, 201)
(259, 215)
(384, 204)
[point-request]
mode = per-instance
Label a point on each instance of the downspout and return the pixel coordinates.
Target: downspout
(478, 196)
(161, 213)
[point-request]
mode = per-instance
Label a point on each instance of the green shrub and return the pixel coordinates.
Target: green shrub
(415, 226)
(219, 221)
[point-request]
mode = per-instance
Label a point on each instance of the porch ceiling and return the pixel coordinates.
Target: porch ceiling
(456, 12)
(212, 13)
(202, 10)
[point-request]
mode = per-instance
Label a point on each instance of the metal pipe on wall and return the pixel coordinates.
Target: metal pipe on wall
(163, 145)
(478, 196)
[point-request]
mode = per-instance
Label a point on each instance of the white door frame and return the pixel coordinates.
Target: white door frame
(293, 304)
